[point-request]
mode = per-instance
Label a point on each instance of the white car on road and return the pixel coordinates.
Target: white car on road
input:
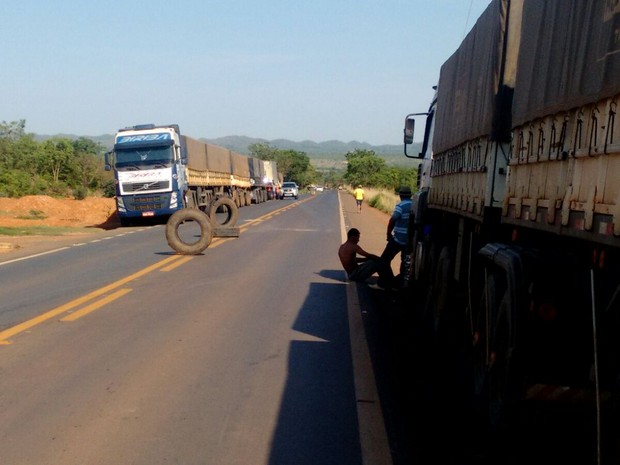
(290, 189)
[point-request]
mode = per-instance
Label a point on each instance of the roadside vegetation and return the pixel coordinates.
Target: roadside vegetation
(381, 199)
(58, 167)
(363, 167)
(62, 167)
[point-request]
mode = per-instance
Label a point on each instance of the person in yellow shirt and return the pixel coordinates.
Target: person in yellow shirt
(358, 193)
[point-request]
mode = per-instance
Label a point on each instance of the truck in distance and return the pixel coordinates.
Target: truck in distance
(159, 171)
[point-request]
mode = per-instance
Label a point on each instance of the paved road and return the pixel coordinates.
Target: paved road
(252, 363)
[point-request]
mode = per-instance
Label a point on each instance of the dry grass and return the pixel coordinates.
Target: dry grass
(380, 199)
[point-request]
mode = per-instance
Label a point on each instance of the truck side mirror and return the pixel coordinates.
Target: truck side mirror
(106, 157)
(409, 130)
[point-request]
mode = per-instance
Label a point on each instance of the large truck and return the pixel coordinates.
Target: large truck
(159, 171)
(515, 227)
(264, 179)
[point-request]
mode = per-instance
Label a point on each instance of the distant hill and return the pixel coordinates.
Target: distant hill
(324, 151)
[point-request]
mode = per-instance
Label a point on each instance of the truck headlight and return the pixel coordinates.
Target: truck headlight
(120, 205)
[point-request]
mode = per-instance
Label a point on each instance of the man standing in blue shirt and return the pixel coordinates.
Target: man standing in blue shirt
(398, 227)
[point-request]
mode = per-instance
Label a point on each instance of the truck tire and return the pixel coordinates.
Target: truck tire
(496, 387)
(229, 207)
(177, 243)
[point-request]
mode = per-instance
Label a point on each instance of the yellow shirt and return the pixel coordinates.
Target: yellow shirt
(358, 193)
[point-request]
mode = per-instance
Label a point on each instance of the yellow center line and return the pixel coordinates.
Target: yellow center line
(167, 264)
(95, 305)
(20, 328)
(179, 262)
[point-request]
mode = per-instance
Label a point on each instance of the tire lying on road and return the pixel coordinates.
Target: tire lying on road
(177, 243)
(229, 207)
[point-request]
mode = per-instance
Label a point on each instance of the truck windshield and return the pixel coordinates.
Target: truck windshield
(144, 158)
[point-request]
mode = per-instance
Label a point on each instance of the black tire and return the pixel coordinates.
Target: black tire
(178, 244)
(231, 209)
(444, 289)
(496, 386)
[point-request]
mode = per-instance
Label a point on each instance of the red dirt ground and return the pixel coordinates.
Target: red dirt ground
(42, 210)
(87, 216)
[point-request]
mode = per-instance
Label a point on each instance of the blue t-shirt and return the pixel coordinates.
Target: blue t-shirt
(400, 215)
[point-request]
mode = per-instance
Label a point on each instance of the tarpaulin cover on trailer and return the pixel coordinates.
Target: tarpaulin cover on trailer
(218, 159)
(569, 56)
(469, 81)
(196, 153)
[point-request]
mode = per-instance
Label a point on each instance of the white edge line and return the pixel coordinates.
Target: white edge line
(33, 256)
(373, 435)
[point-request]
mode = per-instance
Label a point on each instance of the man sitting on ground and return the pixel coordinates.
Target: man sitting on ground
(358, 268)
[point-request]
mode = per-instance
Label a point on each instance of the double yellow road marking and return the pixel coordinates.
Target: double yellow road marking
(168, 264)
(104, 291)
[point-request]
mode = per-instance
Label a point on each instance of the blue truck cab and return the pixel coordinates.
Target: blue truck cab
(150, 175)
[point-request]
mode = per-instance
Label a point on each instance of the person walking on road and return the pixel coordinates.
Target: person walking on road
(398, 228)
(358, 193)
(359, 264)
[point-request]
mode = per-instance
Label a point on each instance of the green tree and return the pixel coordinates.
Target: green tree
(20, 172)
(10, 133)
(13, 130)
(394, 177)
(333, 177)
(88, 164)
(294, 166)
(56, 166)
(58, 159)
(263, 151)
(364, 167)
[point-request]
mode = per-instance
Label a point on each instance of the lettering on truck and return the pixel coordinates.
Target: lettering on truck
(143, 138)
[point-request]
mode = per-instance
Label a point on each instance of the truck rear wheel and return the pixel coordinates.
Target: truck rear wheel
(226, 208)
(495, 375)
(176, 239)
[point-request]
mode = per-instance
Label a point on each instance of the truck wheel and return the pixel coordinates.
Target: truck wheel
(188, 215)
(227, 208)
(444, 289)
(496, 389)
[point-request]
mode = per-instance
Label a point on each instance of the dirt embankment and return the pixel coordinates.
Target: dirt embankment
(87, 216)
(42, 210)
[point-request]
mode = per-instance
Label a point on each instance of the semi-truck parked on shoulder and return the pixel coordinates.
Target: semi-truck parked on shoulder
(515, 233)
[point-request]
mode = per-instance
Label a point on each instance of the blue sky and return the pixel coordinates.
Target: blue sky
(275, 69)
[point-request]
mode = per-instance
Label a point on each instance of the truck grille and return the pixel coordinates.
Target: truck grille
(142, 203)
(145, 186)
